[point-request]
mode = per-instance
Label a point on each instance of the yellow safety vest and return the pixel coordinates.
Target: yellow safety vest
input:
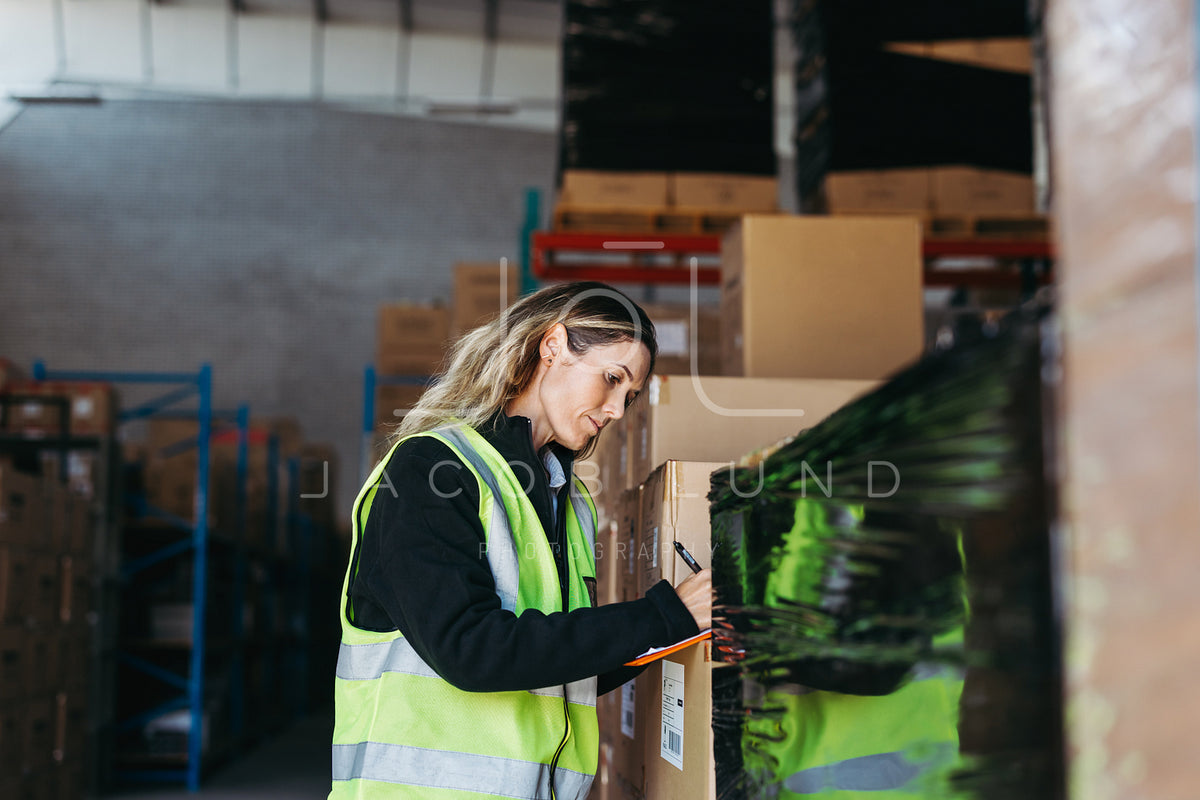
(898, 746)
(401, 731)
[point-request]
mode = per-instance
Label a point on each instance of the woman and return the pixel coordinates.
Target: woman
(471, 641)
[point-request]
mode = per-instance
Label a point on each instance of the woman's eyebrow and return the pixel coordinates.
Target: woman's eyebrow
(627, 372)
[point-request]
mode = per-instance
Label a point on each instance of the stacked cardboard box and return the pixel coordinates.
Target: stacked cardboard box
(411, 339)
(654, 472)
(481, 291)
(46, 598)
(411, 343)
(679, 338)
(90, 408)
(821, 297)
(646, 752)
(943, 189)
(656, 191)
(170, 470)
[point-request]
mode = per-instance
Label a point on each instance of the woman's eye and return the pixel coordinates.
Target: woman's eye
(613, 379)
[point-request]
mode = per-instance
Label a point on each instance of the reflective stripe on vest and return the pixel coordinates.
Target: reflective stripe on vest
(501, 550)
(882, 772)
(487, 775)
(383, 684)
(364, 662)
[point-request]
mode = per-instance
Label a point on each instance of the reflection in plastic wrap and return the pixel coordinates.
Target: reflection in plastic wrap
(884, 591)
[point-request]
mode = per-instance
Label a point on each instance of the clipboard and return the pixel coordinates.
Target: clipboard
(655, 653)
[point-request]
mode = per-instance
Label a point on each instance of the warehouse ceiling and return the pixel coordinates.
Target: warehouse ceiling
(494, 61)
(530, 20)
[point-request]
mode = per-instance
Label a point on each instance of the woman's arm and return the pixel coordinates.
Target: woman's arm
(424, 568)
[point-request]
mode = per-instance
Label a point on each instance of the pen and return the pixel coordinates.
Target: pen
(687, 557)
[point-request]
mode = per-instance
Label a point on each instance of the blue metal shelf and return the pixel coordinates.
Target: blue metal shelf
(372, 380)
(188, 386)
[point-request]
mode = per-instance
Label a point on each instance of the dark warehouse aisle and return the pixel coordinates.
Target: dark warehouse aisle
(292, 766)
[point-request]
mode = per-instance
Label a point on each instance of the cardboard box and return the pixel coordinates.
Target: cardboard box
(44, 665)
(39, 731)
(627, 775)
(737, 415)
(91, 408)
(70, 727)
(720, 191)
(21, 507)
(14, 663)
(45, 592)
(411, 339)
(15, 575)
(80, 533)
(392, 402)
(821, 297)
(606, 563)
(12, 741)
(609, 189)
(74, 644)
(628, 514)
(75, 589)
(678, 338)
(678, 744)
(481, 291)
(10, 373)
(888, 191)
(973, 191)
(674, 509)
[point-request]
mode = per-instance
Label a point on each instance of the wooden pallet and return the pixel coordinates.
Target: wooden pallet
(570, 219)
(942, 225)
(986, 226)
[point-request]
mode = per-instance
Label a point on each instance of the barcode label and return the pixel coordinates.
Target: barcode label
(671, 747)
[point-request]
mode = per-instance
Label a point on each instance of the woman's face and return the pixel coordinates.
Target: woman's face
(580, 394)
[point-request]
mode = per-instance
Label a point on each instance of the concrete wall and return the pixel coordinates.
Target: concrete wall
(257, 237)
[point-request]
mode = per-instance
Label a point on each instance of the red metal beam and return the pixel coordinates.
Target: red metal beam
(546, 244)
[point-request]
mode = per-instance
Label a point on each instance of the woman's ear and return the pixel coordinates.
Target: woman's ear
(554, 342)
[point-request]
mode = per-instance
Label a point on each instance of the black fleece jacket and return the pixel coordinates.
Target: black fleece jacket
(422, 569)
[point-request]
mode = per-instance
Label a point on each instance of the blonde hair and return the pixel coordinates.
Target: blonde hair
(492, 364)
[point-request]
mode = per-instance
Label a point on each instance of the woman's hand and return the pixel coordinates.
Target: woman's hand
(696, 594)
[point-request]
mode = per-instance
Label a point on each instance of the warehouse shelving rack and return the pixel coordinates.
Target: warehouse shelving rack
(183, 387)
(654, 258)
(104, 506)
(593, 256)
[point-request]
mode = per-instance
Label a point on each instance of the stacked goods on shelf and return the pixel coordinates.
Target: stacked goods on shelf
(271, 539)
(928, 113)
(679, 339)
(410, 344)
(91, 408)
(821, 297)
(481, 291)
(653, 473)
(170, 467)
(683, 152)
(47, 577)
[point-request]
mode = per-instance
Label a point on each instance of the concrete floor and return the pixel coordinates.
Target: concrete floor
(292, 766)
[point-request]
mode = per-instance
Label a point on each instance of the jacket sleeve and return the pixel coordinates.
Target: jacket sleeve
(423, 567)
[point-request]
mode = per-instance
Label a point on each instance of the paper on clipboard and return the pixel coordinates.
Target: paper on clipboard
(655, 653)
